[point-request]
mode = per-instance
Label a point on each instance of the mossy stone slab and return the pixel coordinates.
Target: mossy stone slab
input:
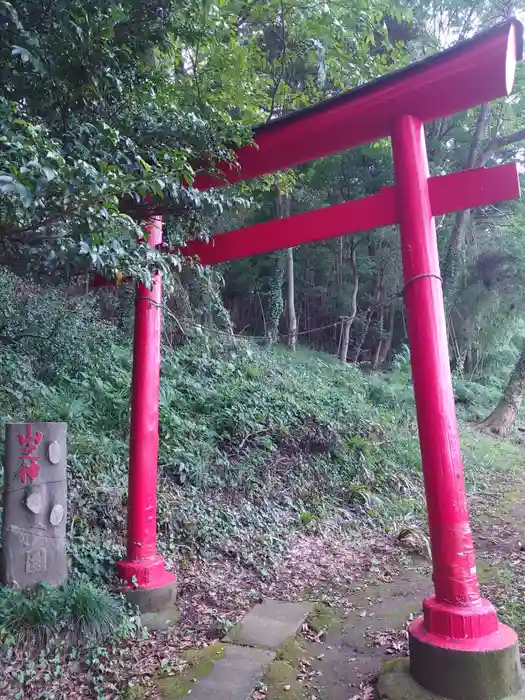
(270, 624)
(230, 674)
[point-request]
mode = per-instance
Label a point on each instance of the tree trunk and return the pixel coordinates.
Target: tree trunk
(275, 304)
(462, 218)
(503, 416)
(215, 313)
(385, 343)
(377, 351)
(370, 312)
(468, 364)
(181, 313)
(347, 323)
(274, 299)
(359, 346)
(292, 316)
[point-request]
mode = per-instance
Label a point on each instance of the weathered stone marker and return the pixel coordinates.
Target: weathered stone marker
(35, 504)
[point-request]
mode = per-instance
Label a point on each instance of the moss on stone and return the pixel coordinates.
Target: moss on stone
(280, 678)
(393, 665)
(200, 663)
(396, 683)
(292, 652)
(281, 682)
(324, 618)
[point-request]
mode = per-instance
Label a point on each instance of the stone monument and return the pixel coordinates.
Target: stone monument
(35, 502)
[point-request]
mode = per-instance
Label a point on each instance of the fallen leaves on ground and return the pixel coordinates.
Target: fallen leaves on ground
(368, 693)
(216, 592)
(393, 642)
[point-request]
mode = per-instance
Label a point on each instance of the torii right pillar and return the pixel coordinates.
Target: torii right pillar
(458, 649)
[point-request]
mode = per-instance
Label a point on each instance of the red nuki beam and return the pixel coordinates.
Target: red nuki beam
(476, 71)
(456, 611)
(143, 567)
(448, 193)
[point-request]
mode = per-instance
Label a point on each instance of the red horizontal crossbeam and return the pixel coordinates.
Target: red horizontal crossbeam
(473, 72)
(464, 189)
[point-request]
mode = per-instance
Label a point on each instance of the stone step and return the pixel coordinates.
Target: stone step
(270, 624)
(234, 670)
(233, 676)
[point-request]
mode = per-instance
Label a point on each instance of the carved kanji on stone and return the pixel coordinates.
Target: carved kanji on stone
(29, 466)
(35, 505)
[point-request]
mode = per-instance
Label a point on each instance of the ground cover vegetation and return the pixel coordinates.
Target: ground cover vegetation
(286, 406)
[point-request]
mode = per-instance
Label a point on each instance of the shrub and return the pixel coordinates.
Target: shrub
(79, 611)
(90, 613)
(250, 438)
(28, 619)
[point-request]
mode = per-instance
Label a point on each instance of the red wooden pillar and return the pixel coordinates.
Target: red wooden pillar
(143, 567)
(452, 547)
(455, 618)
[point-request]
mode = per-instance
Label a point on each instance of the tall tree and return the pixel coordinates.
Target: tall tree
(352, 311)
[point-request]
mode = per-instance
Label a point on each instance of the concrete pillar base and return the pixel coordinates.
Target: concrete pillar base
(153, 590)
(156, 605)
(487, 668)
(396, 683)
(153, 600)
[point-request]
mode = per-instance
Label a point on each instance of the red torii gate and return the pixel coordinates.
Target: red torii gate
(458, 625)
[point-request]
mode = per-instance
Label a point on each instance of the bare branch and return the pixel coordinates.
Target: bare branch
(498, 144)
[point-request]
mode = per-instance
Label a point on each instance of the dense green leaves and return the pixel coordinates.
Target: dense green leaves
(91, 128)
(107, 106)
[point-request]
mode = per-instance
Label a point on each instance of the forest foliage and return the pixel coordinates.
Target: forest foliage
(110, 109)
(108, 112)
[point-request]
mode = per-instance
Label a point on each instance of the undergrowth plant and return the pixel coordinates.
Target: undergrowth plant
(251, 439)
(78, 612)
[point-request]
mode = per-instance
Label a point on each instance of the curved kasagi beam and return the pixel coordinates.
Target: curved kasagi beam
(479, 70)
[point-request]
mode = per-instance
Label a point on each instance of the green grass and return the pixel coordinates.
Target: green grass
(252, 441)
(78, 612)
(504, 585)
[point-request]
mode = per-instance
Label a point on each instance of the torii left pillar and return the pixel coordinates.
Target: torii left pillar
(147, 582)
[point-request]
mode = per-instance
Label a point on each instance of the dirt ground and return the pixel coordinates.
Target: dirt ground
(343, 661)
(369, 586)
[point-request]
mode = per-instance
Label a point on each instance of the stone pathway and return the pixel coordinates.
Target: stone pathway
(352, 653)
(270, 624)
(233, 677)
(272, 655)
(240, 663)
(267, 647)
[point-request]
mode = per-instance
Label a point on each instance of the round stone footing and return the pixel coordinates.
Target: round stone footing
(487, 668)
(153, 600)
(396, 683)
